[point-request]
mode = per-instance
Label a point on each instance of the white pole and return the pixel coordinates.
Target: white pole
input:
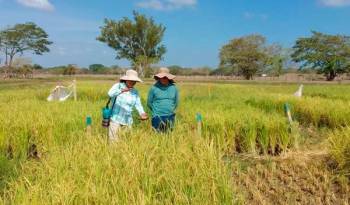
(75, 89)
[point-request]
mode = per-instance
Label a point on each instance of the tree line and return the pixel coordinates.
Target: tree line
(249, 55)
(139, 40)
(101, 69)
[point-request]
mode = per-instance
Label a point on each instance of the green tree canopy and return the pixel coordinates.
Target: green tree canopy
(277, 58)
(328, 54)
(37, 67)
(96, 68)
(138, 40)
(70, 70)
(244, 55)
(23, 37)
(175, 69)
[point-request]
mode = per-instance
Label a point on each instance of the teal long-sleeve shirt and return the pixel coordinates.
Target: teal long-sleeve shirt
(163, 100)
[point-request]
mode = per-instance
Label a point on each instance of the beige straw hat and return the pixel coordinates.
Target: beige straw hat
(131, 75)
(164, 72)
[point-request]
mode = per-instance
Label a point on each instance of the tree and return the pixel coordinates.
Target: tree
(21, 38)
(21, 61)
(277, 65)
(328, 54)
(97, 68)
(70, 70)
(1, 44)
(25, 71)
(277, 57)
(138, 41)
(223, 71)
(115, 69)
(175, 69)
(201, 71)
(37, 67)
(244, 55)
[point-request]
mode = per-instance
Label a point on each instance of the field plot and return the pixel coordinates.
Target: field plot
(246, 152)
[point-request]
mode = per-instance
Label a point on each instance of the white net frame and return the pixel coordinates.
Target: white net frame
(62, 93)
(299, 92)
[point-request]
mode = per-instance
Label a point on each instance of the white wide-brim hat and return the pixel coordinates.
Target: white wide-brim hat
(131, 75)
(164, 72)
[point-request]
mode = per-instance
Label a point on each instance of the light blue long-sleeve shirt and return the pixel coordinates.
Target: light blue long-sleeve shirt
(124, 104)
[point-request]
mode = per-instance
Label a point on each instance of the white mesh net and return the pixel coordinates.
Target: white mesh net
(61, 93)
(299, 92)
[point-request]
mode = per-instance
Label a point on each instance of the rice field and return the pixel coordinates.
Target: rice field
(48, 157)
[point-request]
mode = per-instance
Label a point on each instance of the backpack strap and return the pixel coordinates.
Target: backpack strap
(107, 104)
(115, 99)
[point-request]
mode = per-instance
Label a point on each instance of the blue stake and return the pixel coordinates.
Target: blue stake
(88, 122)
(199, 119)
(287, 111)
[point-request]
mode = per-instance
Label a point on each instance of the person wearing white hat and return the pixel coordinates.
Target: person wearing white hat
(163, 100)
(125, 98)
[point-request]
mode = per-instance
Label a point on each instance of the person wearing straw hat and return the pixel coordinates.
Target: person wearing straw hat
(125, 98)
(163, 100)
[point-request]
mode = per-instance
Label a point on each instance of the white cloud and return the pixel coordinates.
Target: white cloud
(335, 3)
(62, 51)
(249, 15)
(264, 17)
(166, 4)
(37, 4)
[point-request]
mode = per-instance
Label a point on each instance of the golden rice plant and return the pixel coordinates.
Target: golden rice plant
(339, 147)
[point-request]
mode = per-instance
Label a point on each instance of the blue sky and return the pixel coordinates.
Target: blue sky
(196, 29)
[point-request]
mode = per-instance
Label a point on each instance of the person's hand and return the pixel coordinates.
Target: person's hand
(143, 116)
(126, 89)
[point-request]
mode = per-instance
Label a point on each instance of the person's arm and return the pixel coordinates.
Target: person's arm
(150, 98)
(140, 109)
(115, 90)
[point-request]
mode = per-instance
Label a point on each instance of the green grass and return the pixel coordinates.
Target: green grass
(184, 167)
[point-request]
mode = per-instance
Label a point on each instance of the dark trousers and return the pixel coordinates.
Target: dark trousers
(163, 123)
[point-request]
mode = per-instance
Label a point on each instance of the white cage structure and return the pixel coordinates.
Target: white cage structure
(62, 93)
